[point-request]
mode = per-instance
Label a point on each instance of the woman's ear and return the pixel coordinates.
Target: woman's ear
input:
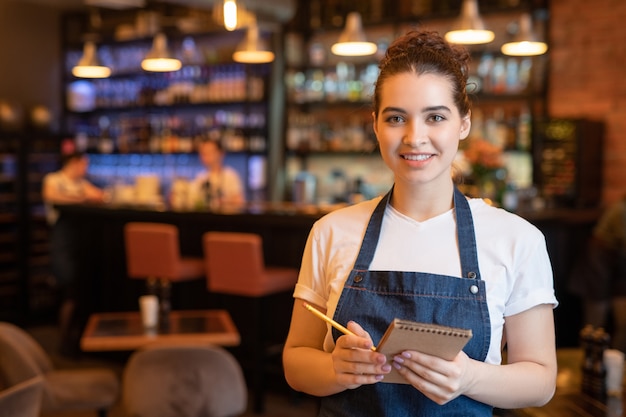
(374, 124)
(466, 124)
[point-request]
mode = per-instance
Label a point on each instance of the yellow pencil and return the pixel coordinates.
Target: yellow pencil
(330, 321)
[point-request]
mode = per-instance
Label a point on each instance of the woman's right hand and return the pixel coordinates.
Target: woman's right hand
(354, 361)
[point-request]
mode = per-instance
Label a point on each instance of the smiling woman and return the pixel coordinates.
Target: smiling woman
(474, 266)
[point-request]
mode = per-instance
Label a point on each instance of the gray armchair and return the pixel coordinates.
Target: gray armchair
(22, 358)
(183, 381)
(22, 399)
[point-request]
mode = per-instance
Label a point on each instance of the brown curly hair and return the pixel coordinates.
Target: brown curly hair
(426, 52)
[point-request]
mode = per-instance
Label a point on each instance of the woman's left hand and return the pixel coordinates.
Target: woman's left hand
(438, 379)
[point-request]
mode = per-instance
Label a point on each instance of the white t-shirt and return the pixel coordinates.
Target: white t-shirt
(226, 184)
(63, 186)
(512, 258)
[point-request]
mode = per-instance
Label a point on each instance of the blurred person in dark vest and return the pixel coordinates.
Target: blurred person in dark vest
(599, 278)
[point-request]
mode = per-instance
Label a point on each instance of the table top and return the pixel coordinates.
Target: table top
(124, 330)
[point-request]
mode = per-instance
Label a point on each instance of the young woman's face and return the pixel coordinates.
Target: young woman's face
(419, 127)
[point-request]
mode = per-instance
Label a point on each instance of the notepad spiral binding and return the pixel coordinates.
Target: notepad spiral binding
(432, 328)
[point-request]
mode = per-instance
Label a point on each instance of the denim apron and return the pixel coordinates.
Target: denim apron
(375, 298)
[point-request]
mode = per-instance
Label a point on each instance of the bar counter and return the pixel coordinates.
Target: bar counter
(284, 228)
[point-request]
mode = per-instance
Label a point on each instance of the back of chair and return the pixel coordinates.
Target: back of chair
(232, 260)
(22, 399)
(21, 357)
(152, 250)
(186, 381)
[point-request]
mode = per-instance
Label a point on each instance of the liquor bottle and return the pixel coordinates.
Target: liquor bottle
(600, 342)
(586, 343)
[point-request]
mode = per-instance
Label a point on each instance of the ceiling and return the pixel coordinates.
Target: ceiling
(56, 4)
(274, 10)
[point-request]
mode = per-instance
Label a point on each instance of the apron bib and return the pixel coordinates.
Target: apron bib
(374, 298)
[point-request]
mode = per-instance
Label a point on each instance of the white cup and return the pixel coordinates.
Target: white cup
(149, 308)
(614, 364)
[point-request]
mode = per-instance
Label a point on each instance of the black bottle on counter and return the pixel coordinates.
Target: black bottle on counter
(597, 385)
(586, 343)
(207, 193)
(165, 304)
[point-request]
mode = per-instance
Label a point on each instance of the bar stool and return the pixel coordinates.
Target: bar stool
(153, 254)
(235, 266)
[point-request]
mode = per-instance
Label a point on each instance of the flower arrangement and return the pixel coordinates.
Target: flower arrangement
(484, 158)
(483, 165)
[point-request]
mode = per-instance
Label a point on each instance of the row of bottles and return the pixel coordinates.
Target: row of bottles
(171, 133)
(135, 177)
(192, 84)
(508, 131)
(347, 82)
(306, 133)
(500, 75)
(344, 82)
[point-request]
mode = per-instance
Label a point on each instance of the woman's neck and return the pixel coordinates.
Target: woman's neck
(422, 202)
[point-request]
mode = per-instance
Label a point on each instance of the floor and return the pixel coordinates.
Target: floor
(279, 403)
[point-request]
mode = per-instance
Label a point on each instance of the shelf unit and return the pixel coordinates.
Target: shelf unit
(329, 97)
(26, 284)
(12, 288)
(135, 113)
(42, 157)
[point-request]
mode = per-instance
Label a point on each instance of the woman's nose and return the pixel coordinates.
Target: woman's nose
(415, 134)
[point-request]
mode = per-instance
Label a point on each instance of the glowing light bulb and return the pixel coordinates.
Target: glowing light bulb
(230, 14)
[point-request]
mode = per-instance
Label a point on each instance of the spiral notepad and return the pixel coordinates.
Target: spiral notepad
(442, 341)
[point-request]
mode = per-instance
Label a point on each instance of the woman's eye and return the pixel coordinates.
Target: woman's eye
(436, 118)
(395, 119)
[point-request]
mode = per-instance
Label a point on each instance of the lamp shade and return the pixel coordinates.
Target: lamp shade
(352, 41)
(158, 59)
(469, 28)
(253, 49)
(89, 66)
(525, 42)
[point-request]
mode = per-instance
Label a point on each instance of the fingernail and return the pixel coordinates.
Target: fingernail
(386, 368)
(379, 377)
(396, 365)
(406, 355)
(398, 359)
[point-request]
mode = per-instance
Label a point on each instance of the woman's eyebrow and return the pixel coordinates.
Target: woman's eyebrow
(436, 108)
(393, 110)
(424, 110)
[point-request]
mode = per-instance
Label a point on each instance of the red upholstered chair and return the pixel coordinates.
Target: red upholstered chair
(153, 254)
(235, 266)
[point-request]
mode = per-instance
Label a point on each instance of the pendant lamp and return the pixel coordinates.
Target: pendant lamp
(89, 66)
(525, 42)
(352, 41)
(253, 49)
(469, 29)
(158, 59)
